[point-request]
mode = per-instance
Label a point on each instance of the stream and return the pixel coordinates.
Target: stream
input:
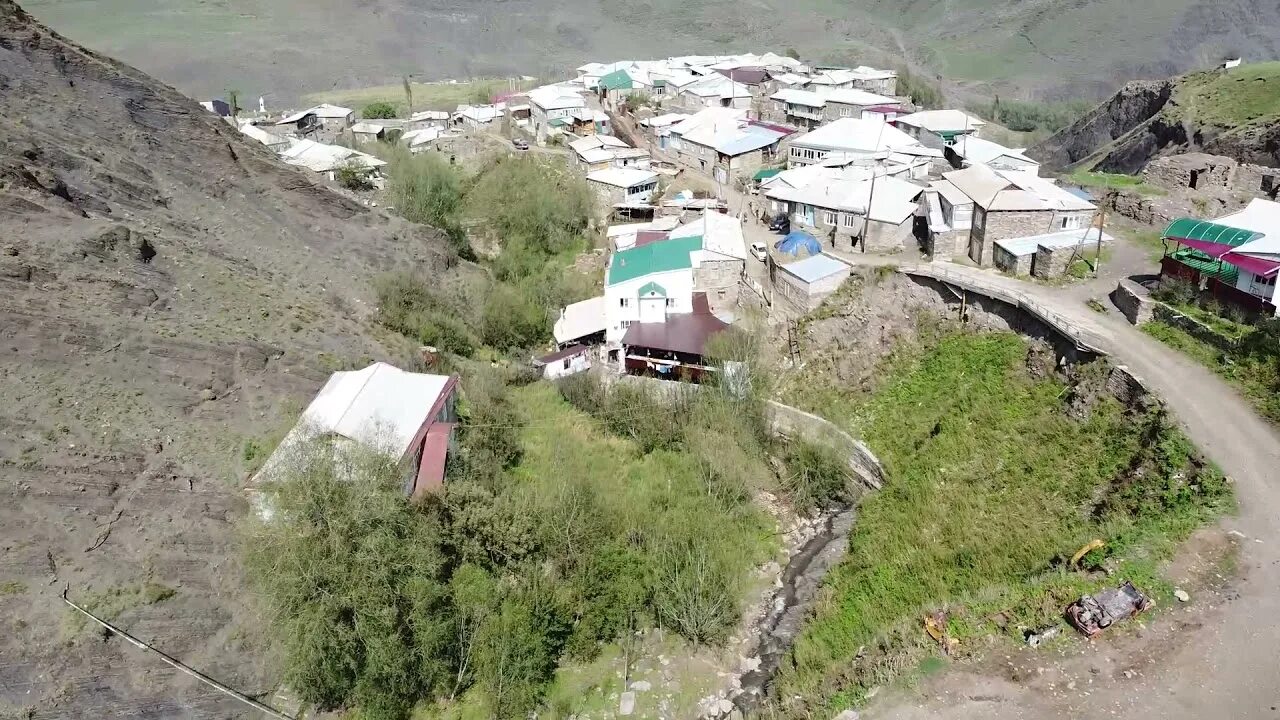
(785, 619)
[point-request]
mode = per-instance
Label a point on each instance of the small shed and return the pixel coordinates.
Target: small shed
(561, 363)
(806, 283)
(1044, 255)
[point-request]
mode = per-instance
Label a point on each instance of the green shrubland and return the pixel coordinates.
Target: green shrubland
(1249, 357)
(992, 486)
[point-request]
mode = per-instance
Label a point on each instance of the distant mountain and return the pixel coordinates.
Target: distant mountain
(1041, 49)
(1234, 113)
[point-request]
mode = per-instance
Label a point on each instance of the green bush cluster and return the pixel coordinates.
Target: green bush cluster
(1026, 116)
(928, 95)
(539, 215)
(380, 110)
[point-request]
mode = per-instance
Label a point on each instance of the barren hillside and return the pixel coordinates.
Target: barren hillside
(168, 292)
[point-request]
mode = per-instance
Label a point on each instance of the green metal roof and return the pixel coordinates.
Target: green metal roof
(766, 173)
(662, 256)
(1193, 229)
(652, 288)
(617, 80)
(1224, 271)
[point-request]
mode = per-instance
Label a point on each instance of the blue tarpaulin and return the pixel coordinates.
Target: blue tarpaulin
(799, 243)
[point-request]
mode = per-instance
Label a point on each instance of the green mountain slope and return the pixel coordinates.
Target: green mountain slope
(1031, 48)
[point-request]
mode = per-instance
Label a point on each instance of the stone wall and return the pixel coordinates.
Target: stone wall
(946, 245)
(1133, 302)
(787, 422)
(883, 237)
(1192, 327)
(1052, 262)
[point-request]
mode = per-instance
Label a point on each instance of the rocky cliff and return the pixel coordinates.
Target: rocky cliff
(169, 292)
(1232, 113)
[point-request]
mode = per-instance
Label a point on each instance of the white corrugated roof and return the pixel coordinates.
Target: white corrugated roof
(622, 177)
(816, 267)
(853, 96)
(324, 158)
(261, 135)
(847, 189)
(429, 115)
(1056, 240)
(799, 97)
(940, 121)
(998, 189)
(856, 135)
(978, 150)
(579, 320)
(323, 110)
(367, 128)
(721, 234)
(1261, 216)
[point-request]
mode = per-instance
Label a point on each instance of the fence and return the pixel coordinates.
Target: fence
(1082, 339)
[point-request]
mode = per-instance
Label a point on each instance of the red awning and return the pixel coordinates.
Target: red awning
(1255, 265)
(1212, 249)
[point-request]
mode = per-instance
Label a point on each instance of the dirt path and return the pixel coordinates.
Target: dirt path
(1205, 660)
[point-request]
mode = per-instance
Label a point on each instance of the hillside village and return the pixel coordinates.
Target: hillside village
(852, 408)
(758, 183)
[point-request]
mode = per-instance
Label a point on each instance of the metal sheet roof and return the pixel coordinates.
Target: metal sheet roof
(1193, 229)
(1063, 239)
(817, 267)
(656, 257)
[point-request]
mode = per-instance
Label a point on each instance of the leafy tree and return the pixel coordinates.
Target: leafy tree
(233, 101)
(516, 651)
(380, 110)
(792, 53)
(354, 579)
(922, 92)
(408, 95)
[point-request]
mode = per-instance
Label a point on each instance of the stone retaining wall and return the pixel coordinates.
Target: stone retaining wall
(1133, 301)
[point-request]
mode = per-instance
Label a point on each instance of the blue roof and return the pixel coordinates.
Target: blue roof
(816, 268)
(753, 137)
(799, 243)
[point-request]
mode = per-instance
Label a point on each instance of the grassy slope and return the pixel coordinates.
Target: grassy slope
(1256, 378)
(990, 481)
(426, 96)
(1246, 96)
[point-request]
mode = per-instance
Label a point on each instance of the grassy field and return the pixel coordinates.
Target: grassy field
(1248, 95)
(426, 96)
(1112, 181)
(991, 486)
(1256, 376)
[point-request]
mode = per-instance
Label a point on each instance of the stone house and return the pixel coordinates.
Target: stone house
(719, 266)
(623, 186)
(1012, 204)
(550, 103)
(969, 150)
(857, 103)
(722, 144)
(848, 206)
(1204, 172)
(800, 287)
(1046, 256)
(800, 108)
(847, 138)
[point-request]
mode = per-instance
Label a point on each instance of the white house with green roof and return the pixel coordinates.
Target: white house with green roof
(647, 283)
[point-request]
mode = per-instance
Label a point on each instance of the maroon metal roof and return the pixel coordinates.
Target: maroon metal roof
(680, 333)
(773, 126)
(884, 108)
(562, 354)
(700, 304)
(746, 75)
(435, 449)
(644, 237)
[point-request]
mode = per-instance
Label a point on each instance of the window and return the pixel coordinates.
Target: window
(626, 324)
(849, 219)
(829, 217)
(566, 363)
(979, 217)
(1070, 222)
(671, 302)
(624, 302)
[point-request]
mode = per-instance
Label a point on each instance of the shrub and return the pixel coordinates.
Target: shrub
(693, 591)
(353, 176)
(816, 475)
(378, 111)
(407, 306)
(354, 581)
(1177, 291)
(922, 92)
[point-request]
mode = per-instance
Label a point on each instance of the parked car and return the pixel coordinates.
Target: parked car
(520, 144)
(780, 223)
(759, 251)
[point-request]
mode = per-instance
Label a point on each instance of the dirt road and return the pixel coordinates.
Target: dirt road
(1196, 661)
